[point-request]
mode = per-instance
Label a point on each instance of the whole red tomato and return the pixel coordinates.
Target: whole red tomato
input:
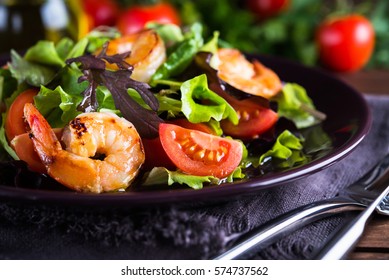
(345, 43)
(135, 17)
(267, 8)
(102, 12)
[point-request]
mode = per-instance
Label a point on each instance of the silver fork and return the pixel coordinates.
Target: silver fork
(356, 196)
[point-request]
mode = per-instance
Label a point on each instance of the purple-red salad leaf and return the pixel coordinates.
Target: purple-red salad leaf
(118, 82)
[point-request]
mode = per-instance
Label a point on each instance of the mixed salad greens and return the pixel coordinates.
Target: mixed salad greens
(71, 78)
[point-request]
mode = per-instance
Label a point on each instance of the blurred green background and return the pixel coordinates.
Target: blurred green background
(291, 33)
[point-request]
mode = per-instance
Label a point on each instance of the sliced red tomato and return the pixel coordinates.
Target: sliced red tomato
(254, 119)
(198, 153)
(155, 153)
(14, 124)
(189, 125)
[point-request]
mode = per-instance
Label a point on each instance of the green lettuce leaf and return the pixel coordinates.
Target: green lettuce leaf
(32, 73)
(105, 100)
(170, 105)
(8, 84)
(295, 105)
(97, 37)
(78, 49)
(63, 47)
(163, 176)
(286, 151)
(170, 33)
(44, 52)
(57, 106)
(212, 45)
(182, 55)
(197, 89)
(4, 143)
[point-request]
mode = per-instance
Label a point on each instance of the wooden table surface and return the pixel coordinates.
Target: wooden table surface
(375, 241)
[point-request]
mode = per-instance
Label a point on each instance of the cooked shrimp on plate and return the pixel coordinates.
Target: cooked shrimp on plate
(103, 152)
(148, 52)
(253, 78)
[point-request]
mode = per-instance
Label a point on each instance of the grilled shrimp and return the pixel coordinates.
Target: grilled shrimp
(103, 151)
(148, 52)
(253, 78)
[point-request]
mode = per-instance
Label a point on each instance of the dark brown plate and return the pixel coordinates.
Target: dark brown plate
(348, 121)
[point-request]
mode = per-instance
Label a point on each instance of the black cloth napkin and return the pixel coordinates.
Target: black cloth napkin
(49, 232)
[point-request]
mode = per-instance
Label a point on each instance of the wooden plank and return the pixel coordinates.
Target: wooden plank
(368, 81)
(376, 234)
(368, 256)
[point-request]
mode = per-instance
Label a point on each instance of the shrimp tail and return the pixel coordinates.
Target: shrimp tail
(45, 141)
(59, 164)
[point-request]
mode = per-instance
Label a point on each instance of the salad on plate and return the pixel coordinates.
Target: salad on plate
(162, 106)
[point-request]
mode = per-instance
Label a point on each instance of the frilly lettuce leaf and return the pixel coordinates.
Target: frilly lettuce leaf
(197, 89)
(295, 105)
(57, 106)
(170, 105)
(170, 33)
(287, 150)
(163, 176)
(44, 52)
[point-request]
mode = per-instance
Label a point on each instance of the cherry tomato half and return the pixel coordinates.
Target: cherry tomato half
(254, 119)
(155, 153)
(198, 153)
(345, 43)
(267, 8)
(14, 124)
(135, 17)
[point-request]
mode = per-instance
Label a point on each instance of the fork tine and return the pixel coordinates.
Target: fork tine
(383, 208)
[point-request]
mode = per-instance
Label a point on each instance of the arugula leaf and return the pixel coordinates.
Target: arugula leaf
(197, 89)
(295, 104)
(163, 176)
